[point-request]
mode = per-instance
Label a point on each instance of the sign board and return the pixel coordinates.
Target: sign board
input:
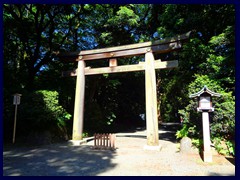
(16, 99)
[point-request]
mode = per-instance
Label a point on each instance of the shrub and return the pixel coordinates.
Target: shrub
(40, 111)
(222, 120)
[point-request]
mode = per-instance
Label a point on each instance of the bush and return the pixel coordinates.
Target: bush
(183, 132)
(222, 120)
(198, 143)
(40, 112)
(224, 147)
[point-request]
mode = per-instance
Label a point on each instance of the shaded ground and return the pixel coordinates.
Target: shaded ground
(128, 159)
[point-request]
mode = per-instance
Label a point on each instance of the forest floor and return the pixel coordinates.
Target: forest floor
(129, 159)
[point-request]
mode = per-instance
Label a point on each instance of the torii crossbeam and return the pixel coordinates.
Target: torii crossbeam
(150, 64)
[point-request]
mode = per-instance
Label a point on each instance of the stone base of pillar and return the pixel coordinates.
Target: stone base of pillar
(76, 142)
(79, 142)
(153, 148)
(207, 156)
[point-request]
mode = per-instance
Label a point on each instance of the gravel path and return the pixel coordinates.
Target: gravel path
(129, 159)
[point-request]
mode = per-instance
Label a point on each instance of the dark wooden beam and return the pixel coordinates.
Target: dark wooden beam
(163, 48)
(160, 46)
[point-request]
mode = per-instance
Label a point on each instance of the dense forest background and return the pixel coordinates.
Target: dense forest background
(33, 33)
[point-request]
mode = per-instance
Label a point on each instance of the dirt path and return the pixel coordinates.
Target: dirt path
(129, 159)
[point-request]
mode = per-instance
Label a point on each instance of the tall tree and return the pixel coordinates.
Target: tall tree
(38, 31)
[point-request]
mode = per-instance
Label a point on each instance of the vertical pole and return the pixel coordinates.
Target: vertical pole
(15, 123)
(79, 102)
(95, 139)
(151, 102)
(207, 154)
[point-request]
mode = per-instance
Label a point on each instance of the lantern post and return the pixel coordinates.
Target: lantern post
(205, 106)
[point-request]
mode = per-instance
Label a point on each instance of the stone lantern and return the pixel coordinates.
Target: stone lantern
(205, 106)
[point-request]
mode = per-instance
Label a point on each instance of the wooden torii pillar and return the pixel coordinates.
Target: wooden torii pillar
(150, 64)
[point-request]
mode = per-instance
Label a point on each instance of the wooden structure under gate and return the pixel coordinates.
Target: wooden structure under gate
(148, 49)
(104, 141)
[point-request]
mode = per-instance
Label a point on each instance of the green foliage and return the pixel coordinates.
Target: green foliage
(85, 135)
(126, 16)
(186, 131)
(224, 147)
(215, 69)
(52, 106)
(198, 143)
(111, 118)
(40, 111)
(217, 73)
(231, 148)
(224, 38)
(183, 132)
(200, 81)
(223, 121)
(223, 124)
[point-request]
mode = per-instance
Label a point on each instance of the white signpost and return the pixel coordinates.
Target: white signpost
(205, 106)
(16, 102)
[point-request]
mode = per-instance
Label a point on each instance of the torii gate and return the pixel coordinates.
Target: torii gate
(150, 64)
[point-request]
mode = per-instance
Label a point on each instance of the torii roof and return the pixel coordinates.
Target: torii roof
(158, 46)
(204, 90)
